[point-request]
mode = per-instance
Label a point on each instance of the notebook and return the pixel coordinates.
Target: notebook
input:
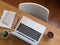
(8, 18)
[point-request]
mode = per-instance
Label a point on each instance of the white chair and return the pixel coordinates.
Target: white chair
(36, 10)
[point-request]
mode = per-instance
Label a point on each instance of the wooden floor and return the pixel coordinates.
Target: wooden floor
(52, 5)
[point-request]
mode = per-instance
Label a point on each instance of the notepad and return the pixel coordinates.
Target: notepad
(8, 18)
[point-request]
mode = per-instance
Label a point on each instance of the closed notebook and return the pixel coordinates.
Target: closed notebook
(8, 18)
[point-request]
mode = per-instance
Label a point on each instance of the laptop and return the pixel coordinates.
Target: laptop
(29, 30)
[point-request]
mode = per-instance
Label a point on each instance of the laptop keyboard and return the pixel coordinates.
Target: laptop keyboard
(29, 32)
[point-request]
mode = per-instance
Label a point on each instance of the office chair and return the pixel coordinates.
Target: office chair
(35, 9)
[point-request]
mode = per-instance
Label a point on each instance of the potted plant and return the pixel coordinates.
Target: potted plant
(4, 34)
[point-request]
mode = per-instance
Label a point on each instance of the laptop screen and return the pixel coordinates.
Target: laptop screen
(29, 31)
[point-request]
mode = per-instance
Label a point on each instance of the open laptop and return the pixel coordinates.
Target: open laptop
(29, 30)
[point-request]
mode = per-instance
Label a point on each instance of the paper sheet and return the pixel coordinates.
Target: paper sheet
(8, 18)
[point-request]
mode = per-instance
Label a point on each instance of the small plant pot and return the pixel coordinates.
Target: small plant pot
(5, 34)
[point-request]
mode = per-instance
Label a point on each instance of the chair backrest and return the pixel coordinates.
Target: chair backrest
(36, 10)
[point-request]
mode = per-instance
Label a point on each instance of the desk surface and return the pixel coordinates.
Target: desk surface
(16, 41)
